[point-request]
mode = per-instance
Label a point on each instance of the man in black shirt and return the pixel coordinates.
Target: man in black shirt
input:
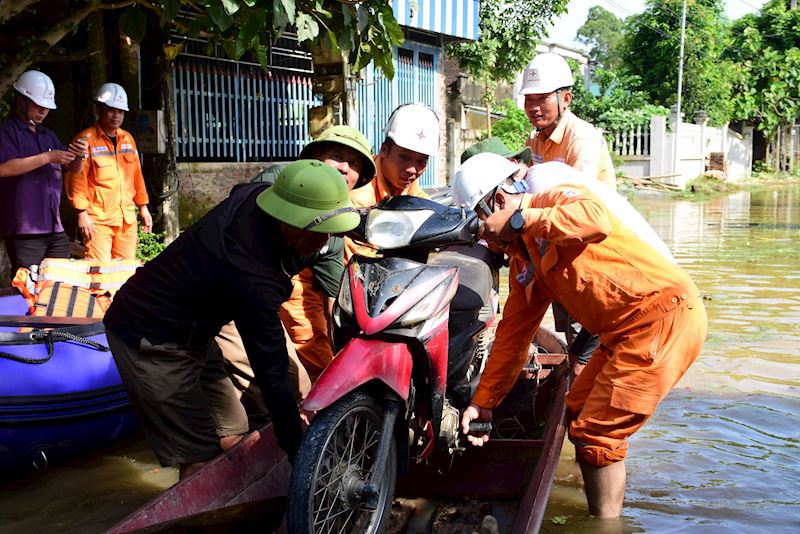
(236, 263)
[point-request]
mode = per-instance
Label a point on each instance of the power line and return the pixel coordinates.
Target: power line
(748, 4)
(658, 31)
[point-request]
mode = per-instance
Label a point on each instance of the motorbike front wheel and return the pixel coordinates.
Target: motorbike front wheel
(334, 462)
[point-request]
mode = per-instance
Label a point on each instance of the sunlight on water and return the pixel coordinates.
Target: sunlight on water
(722, 453)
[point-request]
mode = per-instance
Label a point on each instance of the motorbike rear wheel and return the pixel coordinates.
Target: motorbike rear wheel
(335, 460)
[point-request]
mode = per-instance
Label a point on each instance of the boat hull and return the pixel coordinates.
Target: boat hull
(256, 469)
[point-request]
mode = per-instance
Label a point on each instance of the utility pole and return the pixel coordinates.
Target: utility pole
(680, 88)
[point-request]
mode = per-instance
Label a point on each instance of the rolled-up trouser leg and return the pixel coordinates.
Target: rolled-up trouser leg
(164, 385)
(621, 386)
(228, 411)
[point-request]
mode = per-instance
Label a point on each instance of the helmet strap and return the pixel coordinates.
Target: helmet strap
(324, 217)
(558, 107)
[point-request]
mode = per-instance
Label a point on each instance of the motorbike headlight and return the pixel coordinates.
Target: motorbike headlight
(425, 308)
(394, 229)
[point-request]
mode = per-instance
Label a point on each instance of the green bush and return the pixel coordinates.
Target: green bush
(514, 128)
(150, 246)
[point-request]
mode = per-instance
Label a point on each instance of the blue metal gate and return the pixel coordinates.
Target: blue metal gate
(414, 81)
(236, 111)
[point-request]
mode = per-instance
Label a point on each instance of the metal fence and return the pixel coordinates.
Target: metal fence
(237, 111)
(414, 81)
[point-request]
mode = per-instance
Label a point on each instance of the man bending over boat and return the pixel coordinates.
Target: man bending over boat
(234, 264)
(574, 241)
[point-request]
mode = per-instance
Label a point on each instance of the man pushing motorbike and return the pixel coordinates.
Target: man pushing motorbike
(234, 264)
(615, 278)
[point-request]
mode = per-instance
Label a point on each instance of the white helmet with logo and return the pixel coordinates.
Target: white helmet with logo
(545, 74)
(38, 87)
(113, 96)
(479, 175)
(415, 127)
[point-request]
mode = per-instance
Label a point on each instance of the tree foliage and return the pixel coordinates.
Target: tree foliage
(514, 128)
(602, 33)
(652, 44)
(509, 33)
(766, 47)
(365, 29)
(618, 106)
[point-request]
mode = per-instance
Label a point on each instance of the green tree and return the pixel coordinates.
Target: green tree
(652, 44)
(766, 47)
(509, 33)
(366, 29)
(602, 33)
(618, 105)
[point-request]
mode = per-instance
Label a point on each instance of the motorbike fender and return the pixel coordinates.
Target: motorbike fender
(359, 362)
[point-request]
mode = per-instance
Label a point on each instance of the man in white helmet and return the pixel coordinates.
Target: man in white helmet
(411, 138)
(561, 136)
(581, 244)
(109, 190)
(31, 161)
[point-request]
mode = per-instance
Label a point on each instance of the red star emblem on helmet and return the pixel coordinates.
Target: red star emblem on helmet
(421, 135)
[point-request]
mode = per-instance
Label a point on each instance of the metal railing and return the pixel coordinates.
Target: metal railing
(237, 111)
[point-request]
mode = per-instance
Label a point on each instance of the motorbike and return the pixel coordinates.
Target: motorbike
(416, 327)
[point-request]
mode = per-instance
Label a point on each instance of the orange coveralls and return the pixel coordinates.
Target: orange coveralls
(646, 311)
(578, 144)
(109, 187)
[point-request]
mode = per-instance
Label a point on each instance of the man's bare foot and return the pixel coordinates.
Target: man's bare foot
(226, 442)
(187, 470)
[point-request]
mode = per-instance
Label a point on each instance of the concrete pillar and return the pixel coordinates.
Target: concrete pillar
(659, 149)
(747, 133)
(701, 119)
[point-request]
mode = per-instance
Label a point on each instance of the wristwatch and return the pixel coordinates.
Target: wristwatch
(517, 221)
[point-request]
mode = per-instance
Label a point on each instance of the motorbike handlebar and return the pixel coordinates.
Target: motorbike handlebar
(480, 427)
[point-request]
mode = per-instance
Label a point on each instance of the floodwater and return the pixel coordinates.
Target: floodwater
(721, 454)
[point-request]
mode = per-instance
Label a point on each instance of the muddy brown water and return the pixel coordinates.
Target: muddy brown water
(721, 454)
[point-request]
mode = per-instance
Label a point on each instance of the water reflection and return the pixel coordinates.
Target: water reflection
(722, 452)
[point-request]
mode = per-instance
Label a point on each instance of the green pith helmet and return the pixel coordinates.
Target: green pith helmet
(349, 137)
(310, 195)
(495, 145)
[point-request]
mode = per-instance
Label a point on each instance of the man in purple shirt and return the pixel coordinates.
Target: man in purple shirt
(31, 157)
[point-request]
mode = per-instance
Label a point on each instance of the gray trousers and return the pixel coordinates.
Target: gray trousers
(183, 397)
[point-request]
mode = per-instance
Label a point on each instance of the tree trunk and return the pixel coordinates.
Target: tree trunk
(98, 65)
(18, 64)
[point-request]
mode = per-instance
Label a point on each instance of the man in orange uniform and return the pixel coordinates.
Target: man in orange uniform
(618, 283)
(561, 136)
(411, 137)
(110, 189)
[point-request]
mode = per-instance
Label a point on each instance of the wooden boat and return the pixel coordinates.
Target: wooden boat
(60, 393)
(519, 467)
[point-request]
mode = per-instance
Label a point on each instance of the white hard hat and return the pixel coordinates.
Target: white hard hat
(543, 176)
(113, 96)
(546, 73)
(478, 176)
(38, 87)
(415, 127)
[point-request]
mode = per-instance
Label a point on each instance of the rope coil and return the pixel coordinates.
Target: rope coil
(49, 338)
